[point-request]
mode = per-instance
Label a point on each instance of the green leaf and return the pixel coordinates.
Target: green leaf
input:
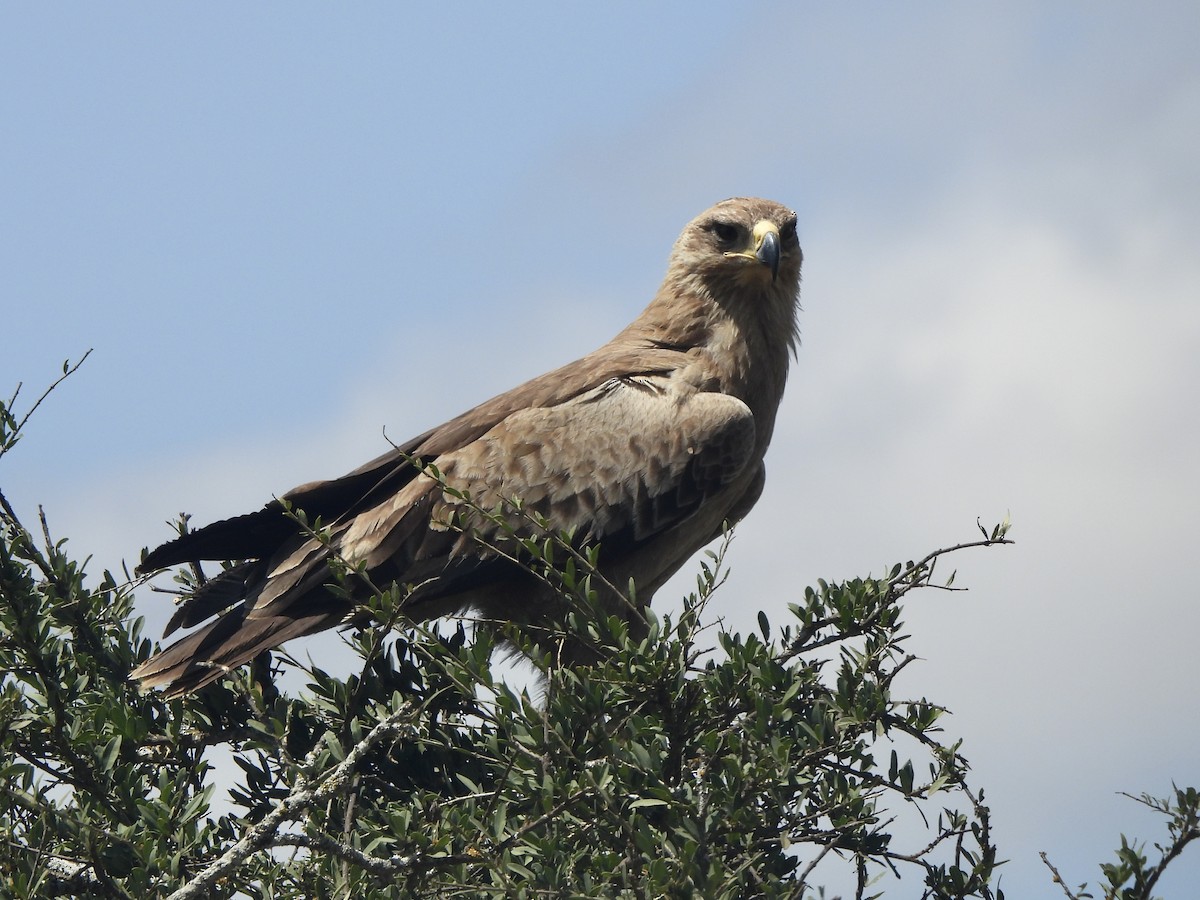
(647, 801)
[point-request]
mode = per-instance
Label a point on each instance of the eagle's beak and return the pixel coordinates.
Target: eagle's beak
(766, 246)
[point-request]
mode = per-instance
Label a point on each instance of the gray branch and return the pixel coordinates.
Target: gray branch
(294, 805)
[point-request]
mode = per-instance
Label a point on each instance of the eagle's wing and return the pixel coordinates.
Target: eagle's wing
(259, 534)
(620, 463)
(630, 457)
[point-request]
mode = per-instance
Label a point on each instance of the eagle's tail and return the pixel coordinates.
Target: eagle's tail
(221, 646)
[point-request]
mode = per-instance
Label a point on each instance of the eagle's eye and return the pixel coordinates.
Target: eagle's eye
(725, 233)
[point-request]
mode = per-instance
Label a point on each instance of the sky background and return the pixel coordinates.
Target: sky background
(285, 228)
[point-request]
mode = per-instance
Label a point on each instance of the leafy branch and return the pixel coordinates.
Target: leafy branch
(1132, 876)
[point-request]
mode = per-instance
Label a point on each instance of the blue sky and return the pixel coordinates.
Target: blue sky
(284, 229)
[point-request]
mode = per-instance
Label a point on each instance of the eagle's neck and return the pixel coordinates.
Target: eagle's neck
(729, 345)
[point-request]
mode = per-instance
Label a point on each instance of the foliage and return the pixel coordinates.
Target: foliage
(1133, 876)
(688, 761)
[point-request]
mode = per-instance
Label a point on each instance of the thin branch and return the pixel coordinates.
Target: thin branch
(384, 867)
(293, 806)
(68, 371)
(1188, 833)
(911, 570)
(825, 850)
(1058, 879)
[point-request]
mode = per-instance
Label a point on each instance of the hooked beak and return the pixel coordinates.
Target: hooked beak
(766, 249)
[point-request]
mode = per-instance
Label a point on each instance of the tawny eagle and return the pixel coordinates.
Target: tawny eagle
(646, 446)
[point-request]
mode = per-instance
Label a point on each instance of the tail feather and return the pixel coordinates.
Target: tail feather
(258, 534)
(221, 646)
(251, 536)
(217, 594)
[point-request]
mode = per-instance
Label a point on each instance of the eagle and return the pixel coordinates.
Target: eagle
(645, 448)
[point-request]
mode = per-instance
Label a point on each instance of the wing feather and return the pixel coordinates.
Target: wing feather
(260, 534)
(620, 460)
(635, 456)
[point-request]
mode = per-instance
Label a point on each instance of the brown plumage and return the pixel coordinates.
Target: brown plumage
(646, 445)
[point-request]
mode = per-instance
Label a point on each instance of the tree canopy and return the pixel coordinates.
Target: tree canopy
(688, 761)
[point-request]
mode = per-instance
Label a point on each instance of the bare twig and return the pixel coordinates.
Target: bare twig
(1058, 879)
(68, 371)
(825, 850)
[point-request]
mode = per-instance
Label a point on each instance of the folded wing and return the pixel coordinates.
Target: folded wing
(619, 464)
